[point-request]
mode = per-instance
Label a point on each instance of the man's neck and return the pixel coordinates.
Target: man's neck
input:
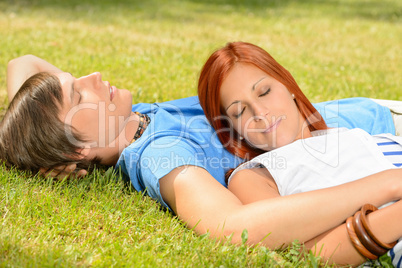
(112, 153)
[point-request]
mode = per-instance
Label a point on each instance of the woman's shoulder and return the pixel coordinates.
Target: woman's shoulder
(258, 173)
(249, 169)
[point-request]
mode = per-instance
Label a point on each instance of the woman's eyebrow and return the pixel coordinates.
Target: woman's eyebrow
(256, 83)
(236, 101)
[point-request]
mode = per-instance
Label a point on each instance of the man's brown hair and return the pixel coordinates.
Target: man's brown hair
(31, 133)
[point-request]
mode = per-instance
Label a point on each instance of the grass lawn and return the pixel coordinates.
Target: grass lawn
(156, 48)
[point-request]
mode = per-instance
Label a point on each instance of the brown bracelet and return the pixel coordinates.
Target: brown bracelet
(367, 209)
(356, 242)
(364, 238)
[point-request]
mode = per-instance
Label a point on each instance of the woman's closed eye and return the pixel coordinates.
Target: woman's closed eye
(265, 93)
(239, 114)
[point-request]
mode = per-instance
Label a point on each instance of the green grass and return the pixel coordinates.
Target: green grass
(98, 221)
(335, 49)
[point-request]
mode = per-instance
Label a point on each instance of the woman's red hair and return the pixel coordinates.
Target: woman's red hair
(216, 70)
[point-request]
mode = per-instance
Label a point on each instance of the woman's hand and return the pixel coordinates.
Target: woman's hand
(64, 171)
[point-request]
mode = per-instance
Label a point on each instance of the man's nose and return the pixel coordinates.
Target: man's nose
(93, 76)
(97, 76)
(92, 79)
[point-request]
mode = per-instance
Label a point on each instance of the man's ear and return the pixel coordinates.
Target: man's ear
(81, 153)
(84, 152)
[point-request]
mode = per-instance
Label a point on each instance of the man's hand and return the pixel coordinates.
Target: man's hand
(64, 171)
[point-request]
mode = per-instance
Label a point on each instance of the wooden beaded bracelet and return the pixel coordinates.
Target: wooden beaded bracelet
(367, 209)
(364, 237)
(356, 242)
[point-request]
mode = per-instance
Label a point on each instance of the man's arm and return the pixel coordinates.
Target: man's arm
(20, 69)
(205, 205)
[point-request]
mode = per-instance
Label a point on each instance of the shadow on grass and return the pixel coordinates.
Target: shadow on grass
(386, 10)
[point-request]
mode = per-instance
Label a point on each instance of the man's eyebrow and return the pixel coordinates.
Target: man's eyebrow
(72, 90)
(252, 88)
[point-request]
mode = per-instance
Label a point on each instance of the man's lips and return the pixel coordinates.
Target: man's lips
(112, 91)
(273, 126)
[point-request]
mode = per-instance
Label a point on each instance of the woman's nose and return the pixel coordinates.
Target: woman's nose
(260, 112)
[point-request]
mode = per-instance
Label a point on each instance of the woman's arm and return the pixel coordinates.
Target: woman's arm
(251, 185)
(205, 205)
(20, 69)
(336, 246)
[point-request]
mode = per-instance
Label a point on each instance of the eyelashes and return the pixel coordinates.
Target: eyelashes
(265, 93)
(239, 114)
(79, 94)
(236, 116)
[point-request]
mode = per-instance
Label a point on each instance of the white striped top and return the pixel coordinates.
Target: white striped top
(391, 150)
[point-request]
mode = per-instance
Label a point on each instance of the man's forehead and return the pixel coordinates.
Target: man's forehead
(63, 77)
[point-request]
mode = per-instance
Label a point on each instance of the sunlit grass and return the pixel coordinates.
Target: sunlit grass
(335, 49)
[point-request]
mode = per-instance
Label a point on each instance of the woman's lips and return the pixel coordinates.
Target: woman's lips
(273, 126)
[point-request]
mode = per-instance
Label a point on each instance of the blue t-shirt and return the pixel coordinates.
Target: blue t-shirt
(179, 134)
(357, 113)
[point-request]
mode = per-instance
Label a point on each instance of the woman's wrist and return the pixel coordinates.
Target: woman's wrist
(386, 222)
(386, 187)
(393, 184)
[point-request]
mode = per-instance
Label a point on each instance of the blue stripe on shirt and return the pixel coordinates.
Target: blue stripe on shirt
(392, 150)
(392, 153)
(387, 143)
